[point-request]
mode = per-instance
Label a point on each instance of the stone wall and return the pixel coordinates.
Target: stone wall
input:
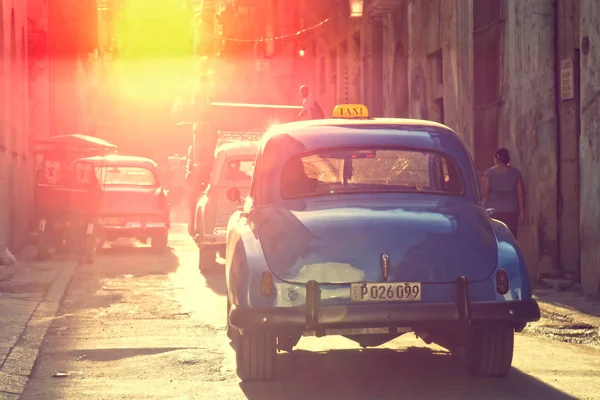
(528, 124)
(589, 146)
(15, 159)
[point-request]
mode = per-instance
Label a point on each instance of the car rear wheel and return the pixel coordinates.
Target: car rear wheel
(489, 352)
(207, 259)
(256, 353)
(159, 241)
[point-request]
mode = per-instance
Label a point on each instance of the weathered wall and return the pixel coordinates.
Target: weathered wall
(528, 125)
(457, 45)
(15, 192)
(428, 64)
(589, 148)
(39, 69)
(338, 74)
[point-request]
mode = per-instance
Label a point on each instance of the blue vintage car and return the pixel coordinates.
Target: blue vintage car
(371, 228)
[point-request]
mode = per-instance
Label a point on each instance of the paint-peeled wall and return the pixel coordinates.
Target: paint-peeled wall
(528, 125)
(589, 146)
(427, 68)
(457, 45)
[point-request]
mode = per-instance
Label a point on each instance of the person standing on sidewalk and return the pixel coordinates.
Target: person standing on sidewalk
(503, 191)
(310, 106)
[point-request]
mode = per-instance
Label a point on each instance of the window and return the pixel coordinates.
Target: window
(370, 170)
(238, 170)
(126, 176)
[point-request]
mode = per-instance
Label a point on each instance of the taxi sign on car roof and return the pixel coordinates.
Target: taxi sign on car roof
(351, 111)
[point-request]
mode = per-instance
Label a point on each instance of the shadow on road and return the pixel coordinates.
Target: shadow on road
(215, 281)
(416, 373)
(107, 280)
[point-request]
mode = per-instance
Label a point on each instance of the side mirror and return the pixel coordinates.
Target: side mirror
(234, 195)
(490, 211)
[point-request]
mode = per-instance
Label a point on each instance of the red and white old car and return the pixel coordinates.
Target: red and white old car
(134, 203)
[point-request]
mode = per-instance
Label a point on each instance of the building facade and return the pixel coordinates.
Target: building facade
(520, 74)
(38, 94)
(15, 158)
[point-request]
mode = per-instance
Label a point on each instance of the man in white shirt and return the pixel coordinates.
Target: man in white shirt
(309, 105)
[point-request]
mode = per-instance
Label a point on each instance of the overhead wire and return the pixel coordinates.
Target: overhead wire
(273, 38)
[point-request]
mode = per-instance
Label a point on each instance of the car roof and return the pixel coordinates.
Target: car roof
(121, 161)
(236, 148)
(384, 131)
(409, 122)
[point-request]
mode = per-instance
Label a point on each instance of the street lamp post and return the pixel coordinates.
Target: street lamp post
(356, 8)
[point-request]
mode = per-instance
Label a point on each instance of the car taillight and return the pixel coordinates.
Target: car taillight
(502, 281)
(266, 284)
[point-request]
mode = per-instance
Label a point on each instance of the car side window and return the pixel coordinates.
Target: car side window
(451, 178)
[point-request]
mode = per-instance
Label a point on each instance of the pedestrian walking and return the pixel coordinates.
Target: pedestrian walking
(310, 107)
(503, 191)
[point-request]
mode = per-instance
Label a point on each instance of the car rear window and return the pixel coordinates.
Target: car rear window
(370, 170)
(126, 176)
(238, 170)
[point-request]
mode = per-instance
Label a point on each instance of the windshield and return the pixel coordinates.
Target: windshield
(240, 170)
(370, 170)
(126, 176)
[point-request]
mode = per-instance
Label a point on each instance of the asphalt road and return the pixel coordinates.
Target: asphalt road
(135, 325)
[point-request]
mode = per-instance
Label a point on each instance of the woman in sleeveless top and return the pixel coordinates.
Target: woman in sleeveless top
(503, 191)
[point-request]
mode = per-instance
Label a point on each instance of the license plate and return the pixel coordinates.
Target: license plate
(401, 291)
(112, 221)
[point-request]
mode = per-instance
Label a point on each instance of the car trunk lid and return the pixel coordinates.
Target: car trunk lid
(131, 200)
(426, 241)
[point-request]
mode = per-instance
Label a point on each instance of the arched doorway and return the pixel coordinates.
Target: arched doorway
(400, 83)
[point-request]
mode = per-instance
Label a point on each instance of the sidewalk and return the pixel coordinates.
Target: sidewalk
(30, 294)
(567, 316)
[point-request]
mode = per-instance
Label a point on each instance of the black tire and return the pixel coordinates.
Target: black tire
(256, 353)
(489, 352)
(159, 241)
(207, 259)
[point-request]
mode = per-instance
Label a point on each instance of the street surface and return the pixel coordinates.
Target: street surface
(136, 325)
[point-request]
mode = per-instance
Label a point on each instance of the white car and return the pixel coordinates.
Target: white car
(232, 171)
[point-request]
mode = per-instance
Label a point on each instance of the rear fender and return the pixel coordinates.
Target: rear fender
(510, 259)
(244, 268)
(244, 265)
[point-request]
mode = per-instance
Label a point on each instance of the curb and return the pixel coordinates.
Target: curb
(17, 367)
(571, 313)
(568, 303)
